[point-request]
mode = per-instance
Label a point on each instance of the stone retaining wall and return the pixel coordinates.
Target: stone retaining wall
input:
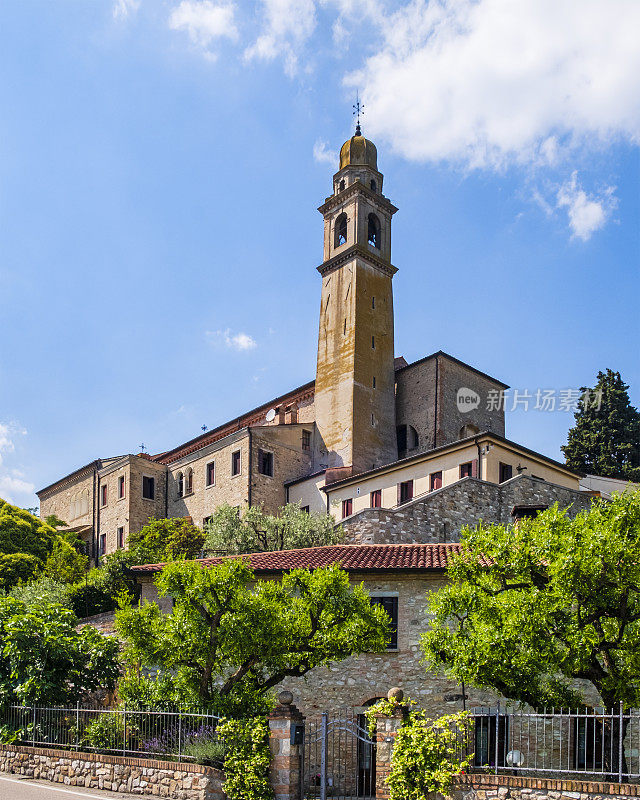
(510, 787)
(139, 776)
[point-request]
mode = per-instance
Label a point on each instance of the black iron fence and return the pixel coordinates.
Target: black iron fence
(180, 735)
(552, 742)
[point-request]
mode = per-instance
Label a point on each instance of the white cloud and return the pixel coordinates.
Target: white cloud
(587, 213)
(323, 155)
(205, 21)
(12, 485)
(122, 8)
(8, 432)
(288, 24)
(488, 83)
(233, 341)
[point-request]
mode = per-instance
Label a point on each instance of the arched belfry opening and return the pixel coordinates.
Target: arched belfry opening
(341, 230)
(373, 231)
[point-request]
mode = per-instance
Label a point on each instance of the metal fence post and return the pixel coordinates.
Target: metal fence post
(620, 744)
(324, 732)
(180, 736)
(124, 729)
(497, 735)
(77, 725)
(33, 729)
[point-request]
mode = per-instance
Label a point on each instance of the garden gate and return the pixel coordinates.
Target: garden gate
(339, 758)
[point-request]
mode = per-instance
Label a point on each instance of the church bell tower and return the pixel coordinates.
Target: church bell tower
(355, 385)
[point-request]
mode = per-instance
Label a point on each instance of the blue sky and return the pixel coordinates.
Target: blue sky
(161, 163)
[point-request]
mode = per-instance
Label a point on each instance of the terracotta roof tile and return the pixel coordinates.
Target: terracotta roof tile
(352, 557)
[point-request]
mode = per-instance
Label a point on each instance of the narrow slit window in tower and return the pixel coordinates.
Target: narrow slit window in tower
(373, 235)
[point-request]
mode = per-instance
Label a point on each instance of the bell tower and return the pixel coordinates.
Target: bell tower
(355, 385)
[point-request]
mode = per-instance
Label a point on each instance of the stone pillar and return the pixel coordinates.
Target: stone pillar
(386, 731)
(286, 760)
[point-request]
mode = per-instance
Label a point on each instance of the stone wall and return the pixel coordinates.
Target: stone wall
(227, 488)
(357, 680)
(139, 776)
(511, 787)
(439, 516)
(290, 461)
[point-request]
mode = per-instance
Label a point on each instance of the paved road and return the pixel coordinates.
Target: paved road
(13, 787)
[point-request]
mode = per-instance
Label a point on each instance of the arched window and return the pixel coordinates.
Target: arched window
(468, 430)
(412, 435)
(180, 485)
(373, 234)
(374, 186)
(189, 486)
(341, 186)
(341, 230)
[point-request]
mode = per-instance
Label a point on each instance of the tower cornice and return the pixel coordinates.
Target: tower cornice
(357, 187)
(354, 251)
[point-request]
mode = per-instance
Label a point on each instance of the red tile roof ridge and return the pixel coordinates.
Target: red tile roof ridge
(280, 560)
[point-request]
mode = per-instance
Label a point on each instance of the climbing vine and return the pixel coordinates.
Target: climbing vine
(428, 754)
(247, 758)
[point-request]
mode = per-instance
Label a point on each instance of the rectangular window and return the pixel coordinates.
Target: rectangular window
(373, 342)
(306, 440)
(485, 730)
(211, 473)
(102, 544)
(265, 463)
(103, 494)
(506, 472)
(305, 509)
(235, 463)
(120, 487)
(466, 469)
(435, 481)
(148, 487)
(374, 382)
(376, 498)
(347, 508)
(390, 605)
(121, 538)
(405, 491)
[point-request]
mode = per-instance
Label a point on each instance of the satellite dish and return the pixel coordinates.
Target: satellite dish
(271, 415)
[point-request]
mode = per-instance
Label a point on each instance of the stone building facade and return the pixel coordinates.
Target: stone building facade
(371, 431)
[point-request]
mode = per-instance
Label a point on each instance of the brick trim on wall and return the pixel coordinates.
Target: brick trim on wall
(549, 784)
(127, 761)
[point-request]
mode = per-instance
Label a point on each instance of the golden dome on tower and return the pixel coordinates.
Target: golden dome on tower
(358, 152)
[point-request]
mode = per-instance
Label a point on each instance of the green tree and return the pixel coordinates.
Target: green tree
(165, 540)
(16, 568)
(64, 563)
(605, 439)
(255, 531)
(531, 608)
(21, 532)
(231, 640)
(45, 660)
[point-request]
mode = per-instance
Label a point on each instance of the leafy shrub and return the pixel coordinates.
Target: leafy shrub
(205, 751)
(88, 599)
(247, 759)
(107, 732)
(16, 568)
(427, 756)
(42, 590)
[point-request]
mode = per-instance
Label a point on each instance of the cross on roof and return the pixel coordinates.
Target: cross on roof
(142, 448)
(358, 109)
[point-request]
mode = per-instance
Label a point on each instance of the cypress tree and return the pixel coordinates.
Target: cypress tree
(605, 439)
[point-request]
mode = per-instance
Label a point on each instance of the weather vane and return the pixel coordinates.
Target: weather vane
(358, 109)
(204, 429)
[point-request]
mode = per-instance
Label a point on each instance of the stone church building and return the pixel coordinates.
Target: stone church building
(397, 452)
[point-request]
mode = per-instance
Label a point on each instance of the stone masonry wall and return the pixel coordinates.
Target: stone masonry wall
(511, 787)
(439, 516)
(227, 488)
(290, 461)
(359, 679)
(136, 776)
